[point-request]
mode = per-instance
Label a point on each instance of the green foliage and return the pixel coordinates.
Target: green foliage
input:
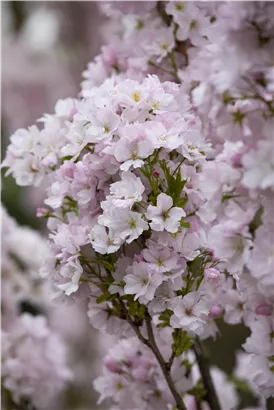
(198, 391)
(165, 318)
(181, 342)
(241, 385)
(256, 222)
(175, 185)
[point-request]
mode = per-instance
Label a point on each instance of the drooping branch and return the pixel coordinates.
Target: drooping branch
(211, 396)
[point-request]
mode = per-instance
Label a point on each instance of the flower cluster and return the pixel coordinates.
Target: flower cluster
(33, 361)
(133, 378)
(160, 193)
(33, 355)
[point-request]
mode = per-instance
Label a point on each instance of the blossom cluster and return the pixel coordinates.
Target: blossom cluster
(133, 378)
(34, 357)
(160, 193)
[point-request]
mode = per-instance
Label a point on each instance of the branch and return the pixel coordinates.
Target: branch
(18, 14)
(164, 366)
(211, 396)
(160, 6)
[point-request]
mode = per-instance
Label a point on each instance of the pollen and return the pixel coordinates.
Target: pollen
(193, 24)
(160, 262)
(133, 156)
(164, 215)
(136, 96)
(132, 223)
(164, 46)
(188, 312)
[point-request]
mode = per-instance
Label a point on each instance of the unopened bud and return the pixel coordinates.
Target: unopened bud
(212, 276)
(42, 212)
(111, 364)
(155, 173)
(263, 309)
(215, 311)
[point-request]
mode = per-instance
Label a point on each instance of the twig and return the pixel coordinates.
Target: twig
(211, 396)
(164, 366)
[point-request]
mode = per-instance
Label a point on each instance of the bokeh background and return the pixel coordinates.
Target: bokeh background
(45, 48)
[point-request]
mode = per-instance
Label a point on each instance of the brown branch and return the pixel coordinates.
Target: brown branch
(211, 396)
(164, 366)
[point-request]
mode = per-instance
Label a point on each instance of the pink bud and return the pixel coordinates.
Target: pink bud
(72, 112)
(215, 311)
(236, 160)
(111, 364)
(212, 276)
(42, 212)
(263, 309)
(138, 258)
(155, 173)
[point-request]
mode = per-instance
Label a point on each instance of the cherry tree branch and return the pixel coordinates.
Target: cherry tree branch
(164, 366)
(151, 343)
(211, 396)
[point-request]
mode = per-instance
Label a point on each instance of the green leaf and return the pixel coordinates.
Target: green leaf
(181, 342)
(241, 385)
(198, 391)
(165, 318)
(196, 266)
(256, 222)
(103, 297)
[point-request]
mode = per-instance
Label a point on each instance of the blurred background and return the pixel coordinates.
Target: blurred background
(46, 45)
(45, 48)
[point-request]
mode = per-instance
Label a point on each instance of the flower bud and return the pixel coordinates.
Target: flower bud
(212, 276)
(138, 258)
(215, 311)
(42, 212)
(155, 173)
(111, 364)
(236, 160)
(263, 309)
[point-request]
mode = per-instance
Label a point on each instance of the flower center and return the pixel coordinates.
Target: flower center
(136, 96)
(164, 215)
(132, 223)
(188, 312)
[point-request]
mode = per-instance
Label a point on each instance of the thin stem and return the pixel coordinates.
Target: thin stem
(171, 359)
(151, 343)
(164, 366)
(211, 396)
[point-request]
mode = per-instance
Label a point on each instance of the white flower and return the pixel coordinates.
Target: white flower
(161, 259)
(259, 166)
(162, 43)
(164, 215)
(142, 282)
(72, 271)
(127, 191)
(125, 223)
(189, 313)
(104, 242)
(132, 153)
